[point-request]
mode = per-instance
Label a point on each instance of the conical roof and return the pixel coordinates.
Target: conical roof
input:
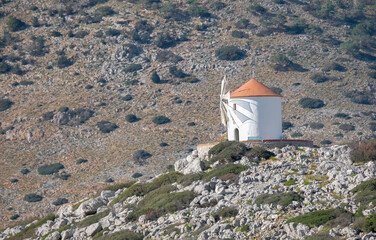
(253, 88)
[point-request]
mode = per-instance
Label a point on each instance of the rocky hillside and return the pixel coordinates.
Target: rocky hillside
(299, 193)
(96, 91)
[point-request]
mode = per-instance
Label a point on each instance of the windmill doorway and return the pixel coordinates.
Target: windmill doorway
(236, 134)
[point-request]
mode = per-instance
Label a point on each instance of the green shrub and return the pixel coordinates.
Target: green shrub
(239, 34)
(319, 236)
(341, 115)
(63, 62)
(372, 126)
(319, 78)
(165, 40)
(113, 32)
(37, 48)
(243, 24)
(315, 125)
(276, 90)
(81, 160)
(33, 197)
(14, 180)
(5, 67)
(360, 97)
(29, 232)
(290, 182)
(131, 118)
(333, 66)
(230, 53)
(197, 11)
(163, 144)
(321, 217)
(81, 34)
(133, 67)
(56, 34)
(161, 120)
(283, 199)
(104, 11)
(370, 223)
(296, 134)
(326, 142)
(225, 212)
(155, 77)
(14, 24)
(14, 217)
(49, 169)
(227, 152)
(122, 235)
(258, 152)
(363, 151)
(171, 11)
(280, 62)
(137, 175)
(257, 9)
(286, 125)
(140, 156)
(127, 97)
(25, 171)
(92, 219)
(347, 127)
(106, 126)
(48, 116)
(177, 72)
(118, 186)
(60, 201)
(5, 104)
(168, 56)
(311, 103)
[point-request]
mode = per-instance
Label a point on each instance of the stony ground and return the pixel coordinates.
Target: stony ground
(323, 178)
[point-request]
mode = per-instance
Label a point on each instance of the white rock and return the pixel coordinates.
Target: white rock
(93, 229)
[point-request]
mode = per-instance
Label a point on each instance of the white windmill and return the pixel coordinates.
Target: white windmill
(252, 112)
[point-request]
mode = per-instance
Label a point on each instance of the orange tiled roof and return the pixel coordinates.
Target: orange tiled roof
(253, 88)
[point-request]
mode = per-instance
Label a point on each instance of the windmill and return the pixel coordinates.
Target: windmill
(227, 112)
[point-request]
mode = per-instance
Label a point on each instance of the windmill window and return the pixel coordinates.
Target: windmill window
(234, 107)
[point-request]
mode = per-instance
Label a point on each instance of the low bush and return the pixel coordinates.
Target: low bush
(230, 53)
(324, 217)
(127, 97)
(319, 77)
(14, 180)
(283, 199)
(259, 153)
(296, 134)
(289, 182)
(370, 223)
(133, 67)
(49, 169)
(361, 97)
(341, 115)
(29, 232)
(224, 170)
(363, 151)
(311, 103)
(280, 62)
(286, 125)
(32, 197)
(177, 72)
(63, 62)
(104, 11)
(155, 77)
(131, 118)
(122, 235)
(60, 201)
(161, 120)
(242, 24)
(315, 125)
(106, 126)
(372, 126)
(225, 212)
(136, 175)
(276, 90)
(5, 67)
(112, 32)
(165, 40)
(227, 152)
(347, 127)
(257, 9)
(14, 24)
(81, 161)
(140, 156)
(118, 186)
(5, 104)
(239, 34)
(319, 236)
(48, 116)
(14, 217)
(163, 144)
(25, 171)
(198, 11)
(81, 34)
(168, 56)
(74, 117)
(26, 83)
(92, 219)
(333, 66)
(326, 142)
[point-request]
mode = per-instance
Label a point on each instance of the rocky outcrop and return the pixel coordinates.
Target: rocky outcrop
(323, 177)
